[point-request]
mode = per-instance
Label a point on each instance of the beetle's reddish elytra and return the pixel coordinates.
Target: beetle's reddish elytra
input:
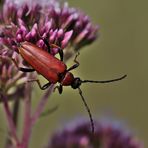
(53, 69)
(47, 65)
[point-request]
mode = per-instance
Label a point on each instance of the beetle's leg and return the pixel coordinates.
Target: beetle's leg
(61, 54)
(21, 68)
(60, 51)
(60, 88)
(76, 63)
(39, 84)
(45, 86)
(47, 44)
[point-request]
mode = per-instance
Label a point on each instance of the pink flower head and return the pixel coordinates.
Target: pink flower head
(56, 22)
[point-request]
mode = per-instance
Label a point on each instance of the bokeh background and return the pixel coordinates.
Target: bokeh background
(120, 49)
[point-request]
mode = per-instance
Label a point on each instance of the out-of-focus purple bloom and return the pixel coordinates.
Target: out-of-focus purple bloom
(59, 24)
(105, 136)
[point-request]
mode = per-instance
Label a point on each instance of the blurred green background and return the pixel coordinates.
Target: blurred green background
(120, 49)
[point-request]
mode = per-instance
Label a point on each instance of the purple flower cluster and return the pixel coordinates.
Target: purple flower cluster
(105, 136)
(34, 21)
(59, 24)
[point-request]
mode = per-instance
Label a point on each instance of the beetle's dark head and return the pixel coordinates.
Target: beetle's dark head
(76, 83)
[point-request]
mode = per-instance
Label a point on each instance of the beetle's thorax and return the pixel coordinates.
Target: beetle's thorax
(66, 78)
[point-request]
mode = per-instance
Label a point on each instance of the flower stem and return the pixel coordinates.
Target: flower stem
(15, 120)
(9, 117)
(16, 111)
(27, 118)
(41, 105)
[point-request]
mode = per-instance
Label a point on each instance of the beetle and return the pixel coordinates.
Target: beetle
(53, 69)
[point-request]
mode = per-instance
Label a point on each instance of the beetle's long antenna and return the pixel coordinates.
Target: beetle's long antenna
(88, 110)
(105, 81)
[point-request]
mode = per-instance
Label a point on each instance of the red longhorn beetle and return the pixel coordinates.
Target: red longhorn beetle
(54, 70)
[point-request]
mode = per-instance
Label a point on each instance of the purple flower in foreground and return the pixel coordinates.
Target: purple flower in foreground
(105, 136)
(52, 20)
